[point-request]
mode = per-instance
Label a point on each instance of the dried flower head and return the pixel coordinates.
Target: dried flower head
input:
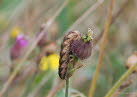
(82, 48)
(132, 60)
(74, 47)
(18, 47)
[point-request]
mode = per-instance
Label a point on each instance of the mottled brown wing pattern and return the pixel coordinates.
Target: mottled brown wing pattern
(65, 52)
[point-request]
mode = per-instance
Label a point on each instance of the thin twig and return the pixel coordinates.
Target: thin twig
(134, 94)
(13, 17)
(117, 14)
(119, 82)
(125, 84)
(38, 87)
(102, 50)
(56, 88)
(28, 85)
(33, 45)
(84, 16)
(100, 35)
(89, 11)
(60, 84)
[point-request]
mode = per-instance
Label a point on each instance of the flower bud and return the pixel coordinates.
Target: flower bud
(132, 60)
(44, 38)
(18, 47)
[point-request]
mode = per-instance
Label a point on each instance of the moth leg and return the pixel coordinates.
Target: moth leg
(78, 65)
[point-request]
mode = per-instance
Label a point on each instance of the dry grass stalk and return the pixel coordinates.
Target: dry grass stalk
(125, 84)
(13, 75)
(102, 50)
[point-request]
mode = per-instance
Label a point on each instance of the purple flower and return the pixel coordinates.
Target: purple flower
(22, 40)
(81, 49)
(43, 40)
(18, 47)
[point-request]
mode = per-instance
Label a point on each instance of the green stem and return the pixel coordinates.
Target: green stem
(29, 85)
(67, 87)
(119, 82)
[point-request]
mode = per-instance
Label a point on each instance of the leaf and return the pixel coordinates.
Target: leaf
(75, 93)
(61, 93)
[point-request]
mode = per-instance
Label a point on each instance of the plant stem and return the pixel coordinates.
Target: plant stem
(119, 82)
(84, 16)
(38, 86)
(30, 49)
(102, 50)
(59, 85)
(28, 85)
(114, 17)
(67, 88)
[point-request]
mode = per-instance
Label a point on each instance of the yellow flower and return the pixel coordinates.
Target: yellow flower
(44, 63)
(51, 61)
(54, 61)
(15, 32)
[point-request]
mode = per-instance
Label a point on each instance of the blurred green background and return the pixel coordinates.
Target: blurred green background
(26, 16)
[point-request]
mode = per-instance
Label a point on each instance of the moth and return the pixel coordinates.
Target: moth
(65, 53)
